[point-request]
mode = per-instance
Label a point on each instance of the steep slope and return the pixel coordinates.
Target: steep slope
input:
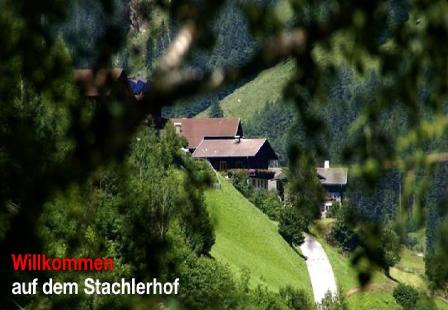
(247, 239)
(249, 99)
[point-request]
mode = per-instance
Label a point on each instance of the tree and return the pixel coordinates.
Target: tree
(216, 110)
(268, 202)
(391, 246)
(295, 299)
(406, 296)
(333, 302)
(304, 191)
(291, 226)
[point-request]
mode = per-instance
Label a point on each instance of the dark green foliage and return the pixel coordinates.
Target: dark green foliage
(331, 302)
(342, 232)
(292, 225)
(134, 213)
(207, 285)
(273, 122)
(240, 179)
(268, 202)
(390, 243)
(334, 210)
(295, 299)
(378, 201)
(234, 45)
(436, 268)
(425, 303)
(406, 296)
(304, 191)
(262, 298)
(215, 110)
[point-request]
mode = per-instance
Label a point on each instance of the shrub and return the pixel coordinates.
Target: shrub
(264, 299)
(206, 284)
(268, 202)
(425, 303)
(295, 299)
(334, 210)
(390, 242)
(240, 180)
(333, 302)
(406, 296)
(292, 226)
(342, 232)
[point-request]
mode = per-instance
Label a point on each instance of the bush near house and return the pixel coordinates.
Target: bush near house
(267, 201)
(342, 233)
(406, 296)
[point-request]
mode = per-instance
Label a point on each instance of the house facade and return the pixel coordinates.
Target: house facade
(334, 181)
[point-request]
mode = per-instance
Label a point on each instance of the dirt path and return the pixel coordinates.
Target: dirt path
(319, 268)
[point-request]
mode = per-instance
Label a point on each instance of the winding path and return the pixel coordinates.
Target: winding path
(319, 268)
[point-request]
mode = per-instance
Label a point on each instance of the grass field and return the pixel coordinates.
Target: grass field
(250, 98)
(247, 239)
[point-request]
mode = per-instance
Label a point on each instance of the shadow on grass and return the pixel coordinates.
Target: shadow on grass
(299, 253)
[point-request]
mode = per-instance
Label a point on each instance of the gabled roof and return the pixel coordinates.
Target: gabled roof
(94, 82)
(232, 148)
(196, 129)
(332, 176)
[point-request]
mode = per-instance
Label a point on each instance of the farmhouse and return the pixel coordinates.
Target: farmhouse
(221, 142)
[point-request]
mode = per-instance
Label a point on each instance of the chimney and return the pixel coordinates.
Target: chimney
(237, 139)
(326, 164)
(178, 127)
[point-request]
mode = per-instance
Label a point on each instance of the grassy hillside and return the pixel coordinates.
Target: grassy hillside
(251, 98)
(247, 239)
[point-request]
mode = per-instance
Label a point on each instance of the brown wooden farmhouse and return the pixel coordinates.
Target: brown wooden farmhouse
(220, 141)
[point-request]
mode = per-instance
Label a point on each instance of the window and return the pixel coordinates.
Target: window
(222, 165)
(273, 163)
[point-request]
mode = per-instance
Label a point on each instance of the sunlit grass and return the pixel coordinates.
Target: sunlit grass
(251, 98)
(247, 239)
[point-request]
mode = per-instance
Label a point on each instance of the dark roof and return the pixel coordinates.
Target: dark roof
(231, 148)
(137, 86)
(196, 129)
(332, 176)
